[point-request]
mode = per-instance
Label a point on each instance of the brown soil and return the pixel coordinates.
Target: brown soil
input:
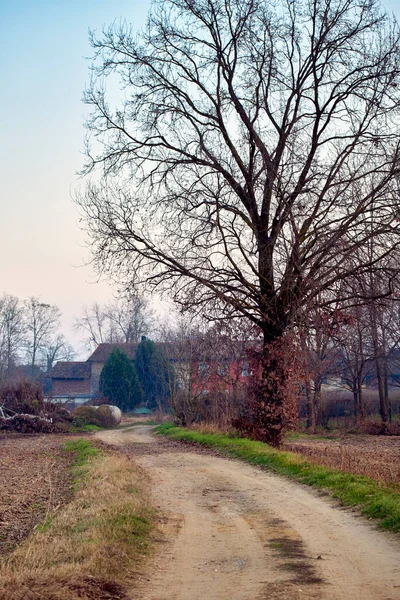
(230, 530)
(377, 457)
(34, 475)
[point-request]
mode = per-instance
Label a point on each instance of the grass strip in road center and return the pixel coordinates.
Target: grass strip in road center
(93, 546)
(372, 499)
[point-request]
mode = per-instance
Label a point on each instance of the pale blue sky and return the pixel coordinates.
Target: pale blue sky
(42, 76)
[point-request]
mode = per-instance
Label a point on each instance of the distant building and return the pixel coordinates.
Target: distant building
(77, 383)
(99, 358)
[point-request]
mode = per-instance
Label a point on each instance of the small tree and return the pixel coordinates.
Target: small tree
(119, 381)
(154, 373)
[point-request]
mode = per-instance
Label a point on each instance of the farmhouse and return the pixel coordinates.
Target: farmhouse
(77, 383)
(199, 370)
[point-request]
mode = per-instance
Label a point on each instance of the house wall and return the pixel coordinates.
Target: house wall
(62, 387)
(224, 377)
(97, 368)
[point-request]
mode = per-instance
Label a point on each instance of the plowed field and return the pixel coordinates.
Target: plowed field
(34, 476)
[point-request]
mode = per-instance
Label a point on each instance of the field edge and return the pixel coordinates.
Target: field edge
(95, 545)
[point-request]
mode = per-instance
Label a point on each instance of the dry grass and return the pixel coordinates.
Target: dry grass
(91, 548)
(376, 457)
(213, 429)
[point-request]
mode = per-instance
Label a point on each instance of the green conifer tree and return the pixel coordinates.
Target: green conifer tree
(119, 381)
(155, 372)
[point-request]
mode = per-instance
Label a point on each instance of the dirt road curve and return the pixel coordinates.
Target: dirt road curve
(235, 532)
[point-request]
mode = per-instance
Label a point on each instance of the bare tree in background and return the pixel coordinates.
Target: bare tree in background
(56, 348)
(252, 144)
(319, 356)
(124, 320)
(12, 329)
(93, 325)
(129, 319)
(184, 352)
(211, 368)
(41, 322)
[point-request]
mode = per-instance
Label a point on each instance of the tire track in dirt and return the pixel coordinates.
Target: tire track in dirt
(233, 531)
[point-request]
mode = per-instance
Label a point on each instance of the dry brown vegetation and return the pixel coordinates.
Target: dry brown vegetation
(377, 457)
(90, 548)
(28, 412)
(35, 479)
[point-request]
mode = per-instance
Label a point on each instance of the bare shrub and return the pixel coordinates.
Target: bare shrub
(89, 415)
(23, 397)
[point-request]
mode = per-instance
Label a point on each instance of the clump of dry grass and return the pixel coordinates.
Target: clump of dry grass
(213, 428)
(90, 550)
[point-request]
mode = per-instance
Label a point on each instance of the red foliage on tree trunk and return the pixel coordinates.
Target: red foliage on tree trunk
(274, 391)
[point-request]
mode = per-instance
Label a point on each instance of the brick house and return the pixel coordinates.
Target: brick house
(70, 382)
(77, 383)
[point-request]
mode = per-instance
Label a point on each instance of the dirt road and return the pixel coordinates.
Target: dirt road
(235, 532)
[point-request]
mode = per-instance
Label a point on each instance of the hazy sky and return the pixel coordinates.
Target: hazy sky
(42, 75)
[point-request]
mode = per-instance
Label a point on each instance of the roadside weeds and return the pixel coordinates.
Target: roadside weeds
(372, 499)
(93, 547)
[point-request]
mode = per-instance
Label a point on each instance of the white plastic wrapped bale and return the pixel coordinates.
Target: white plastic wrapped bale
(111, 411)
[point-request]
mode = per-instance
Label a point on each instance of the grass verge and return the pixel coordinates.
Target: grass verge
(92, 547)
(84, 428)
(372, 499)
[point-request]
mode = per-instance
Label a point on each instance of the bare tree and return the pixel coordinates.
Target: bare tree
(94, 325)
(380, 314)
(11, 332)
(211, 368)
(355, 360)
(129, 319)
(182, 351)
(57, 348)
(319, 357)
(124, 320)
(41, 321)
(253, 142)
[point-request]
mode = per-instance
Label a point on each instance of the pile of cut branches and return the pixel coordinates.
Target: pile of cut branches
(23, 409)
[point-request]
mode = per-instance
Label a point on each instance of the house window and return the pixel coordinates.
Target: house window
(245, 369)
(203, 368)
(222, 370)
